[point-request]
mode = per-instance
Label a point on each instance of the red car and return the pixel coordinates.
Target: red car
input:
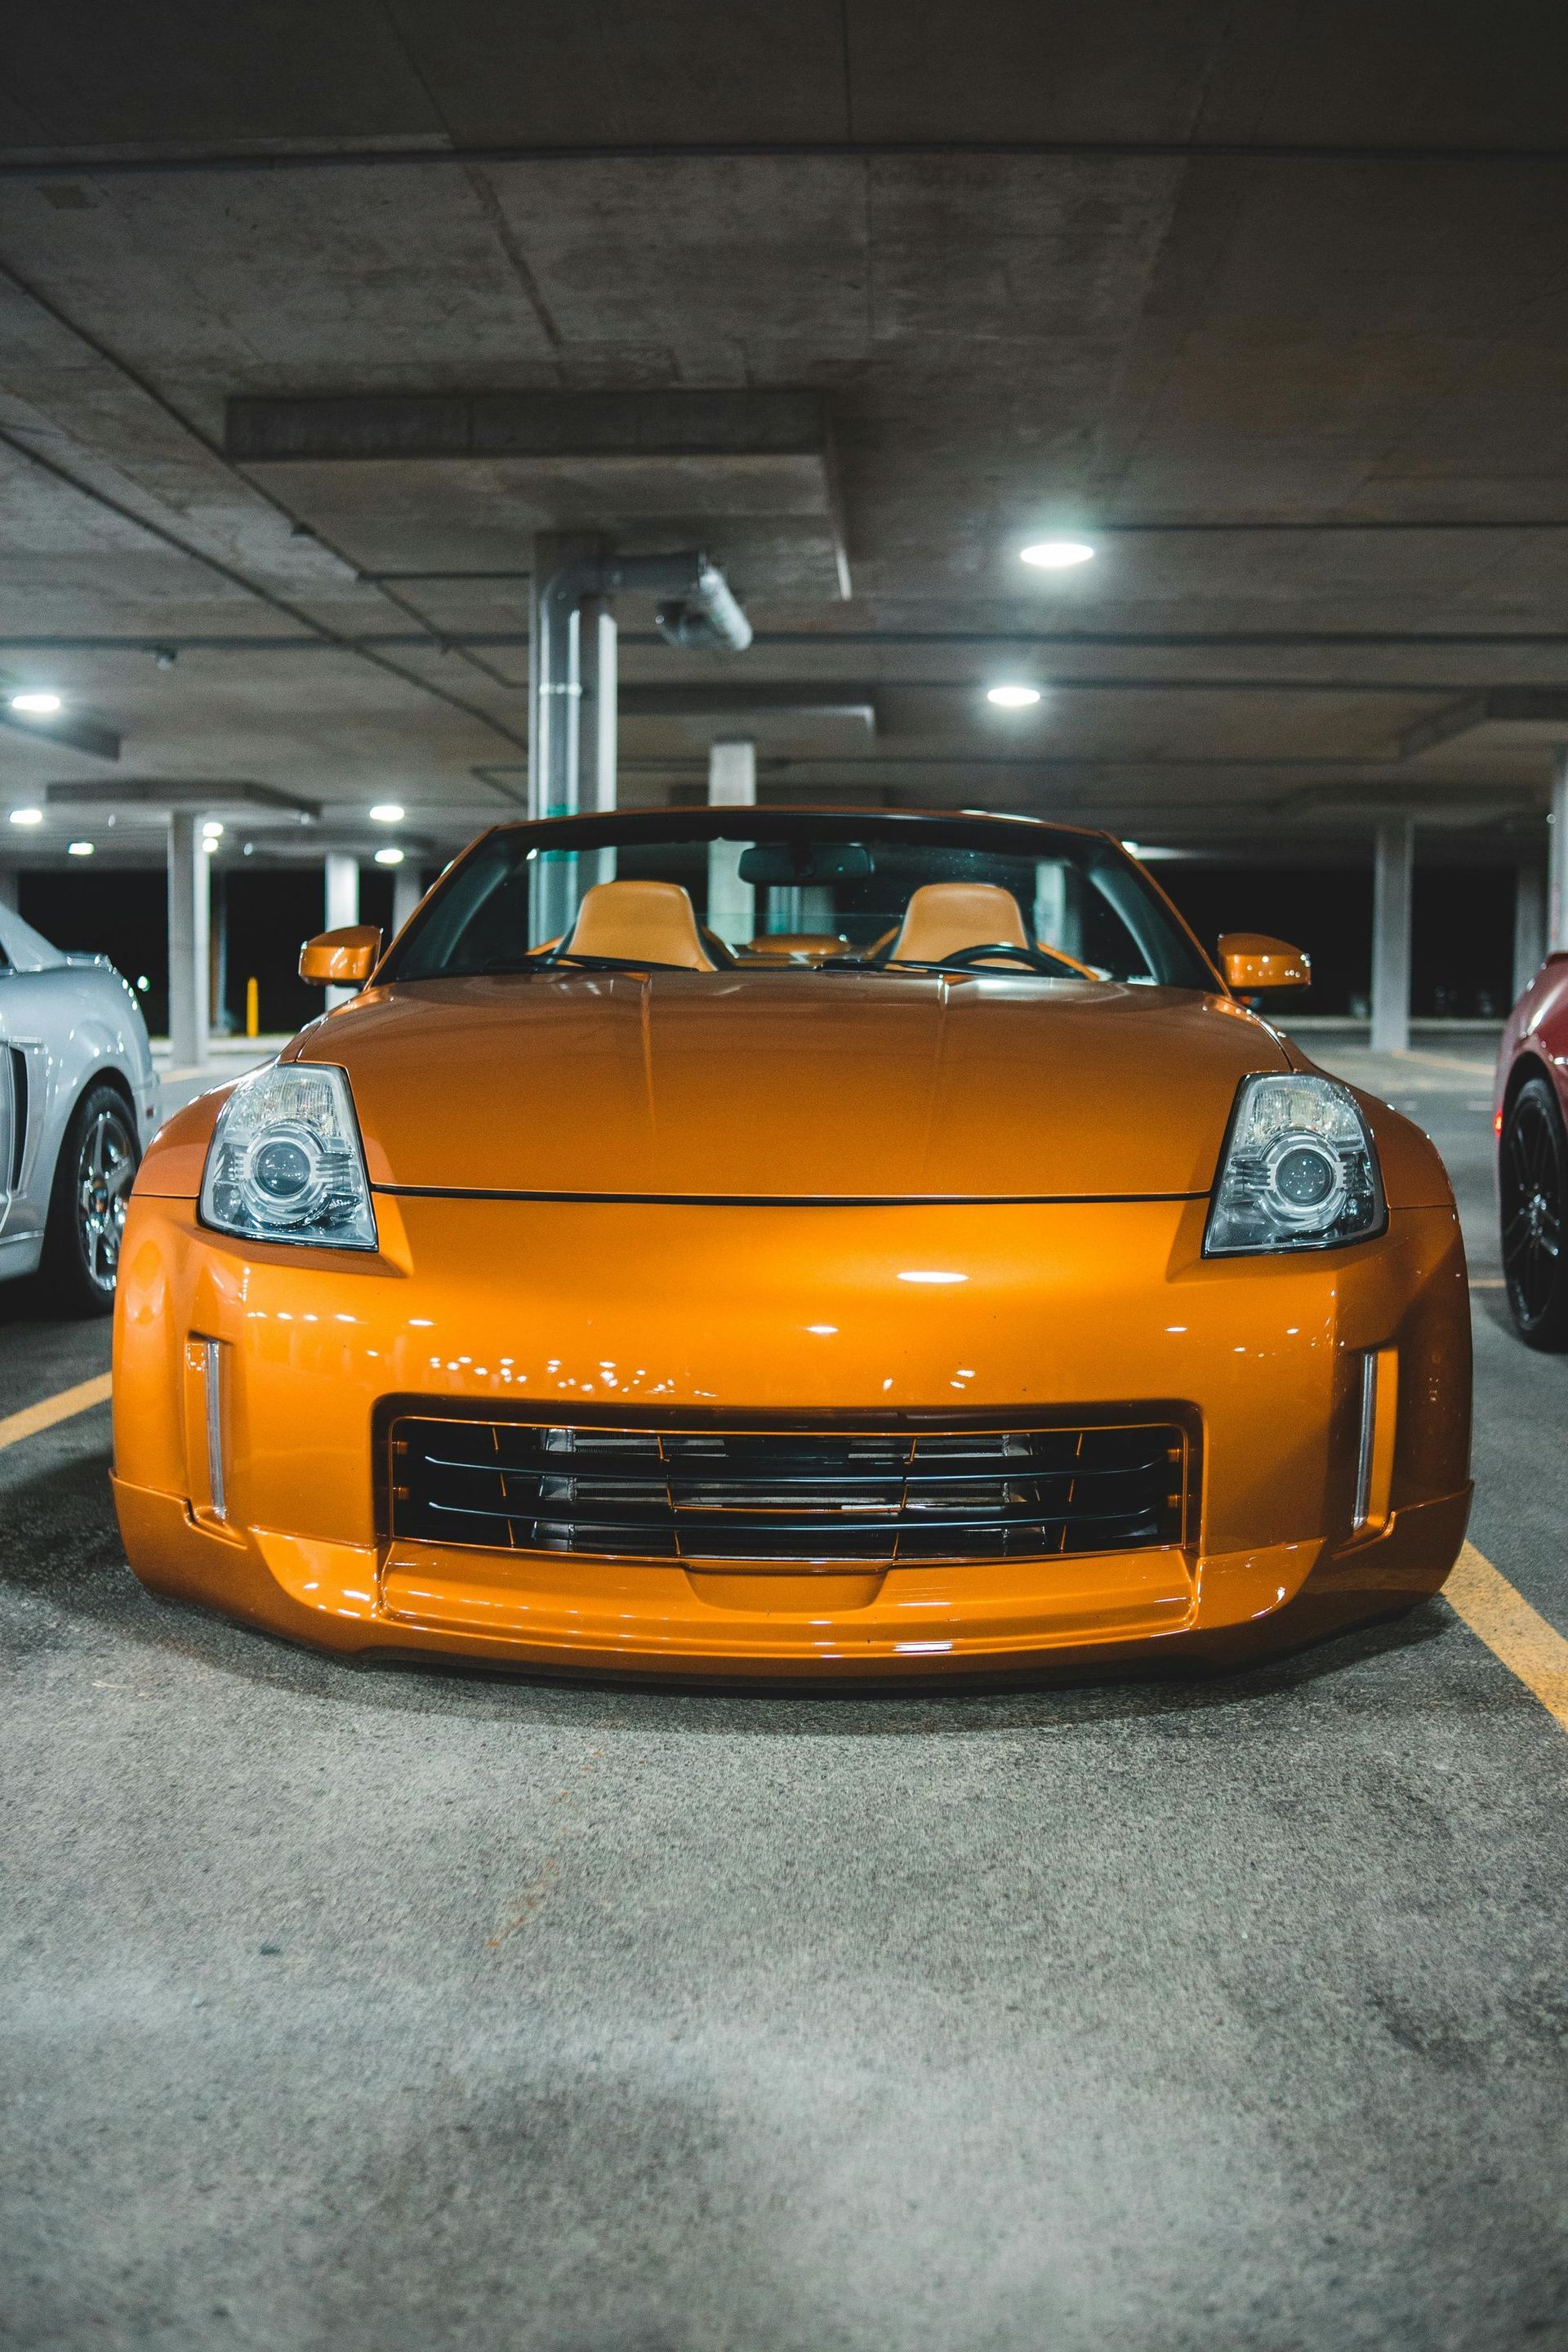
(1533, 1157)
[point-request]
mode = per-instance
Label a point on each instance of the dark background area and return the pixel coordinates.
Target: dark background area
(1462, 928)
(125, 914)
(1462, 945)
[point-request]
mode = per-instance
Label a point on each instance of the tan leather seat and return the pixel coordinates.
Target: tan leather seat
(638, 922)
(943, 917)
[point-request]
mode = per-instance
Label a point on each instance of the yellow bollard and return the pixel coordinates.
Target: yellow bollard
(252, 1009)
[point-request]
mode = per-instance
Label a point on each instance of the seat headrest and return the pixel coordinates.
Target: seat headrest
(943, 917)
(638, 922)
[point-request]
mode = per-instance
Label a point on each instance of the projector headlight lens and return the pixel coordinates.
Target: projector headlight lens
(1299, 1170)
(285, 1164)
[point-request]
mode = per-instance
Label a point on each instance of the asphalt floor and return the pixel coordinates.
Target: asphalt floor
(401, 2007)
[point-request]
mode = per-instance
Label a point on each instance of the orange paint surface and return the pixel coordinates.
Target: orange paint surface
(544, 1308)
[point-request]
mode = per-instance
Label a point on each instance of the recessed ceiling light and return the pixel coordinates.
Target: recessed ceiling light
(1056, 554)
(389, 856)
(27, 816)
(388, 812)
(79, 848)
(36, 705)
(1013, 698)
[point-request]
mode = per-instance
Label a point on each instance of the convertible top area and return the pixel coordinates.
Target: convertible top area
(865, 891)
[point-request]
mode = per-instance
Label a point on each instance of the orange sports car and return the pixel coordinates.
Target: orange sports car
(766, 1242)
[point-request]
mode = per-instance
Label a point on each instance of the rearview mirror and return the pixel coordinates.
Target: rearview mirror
(1252, 961)
(340, 958)
(781, 865)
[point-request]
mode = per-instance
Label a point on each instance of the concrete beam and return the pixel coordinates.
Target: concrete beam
(451, 481)
(202, 793)
(1444, 726)
(77, 734)
(852, 704)
(617, 425)
(1525, 710)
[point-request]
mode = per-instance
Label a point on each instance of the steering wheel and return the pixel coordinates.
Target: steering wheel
(1041, 960)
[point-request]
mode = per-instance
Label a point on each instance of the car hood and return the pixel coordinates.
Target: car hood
(794, 1085)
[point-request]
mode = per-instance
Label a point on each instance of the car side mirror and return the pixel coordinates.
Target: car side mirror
(341, 958)
(1252, 961)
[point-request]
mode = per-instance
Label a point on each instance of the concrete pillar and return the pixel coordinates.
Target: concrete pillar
(1392, 890)
(189, 979)
(1557, 853)
(218, 951)
(1529, 924)
(342, 905)
(11, 889)
(731, 783)
(555, 681)
(342, 891)
(597, 731)
(559, 629)
(407, 889)
(597, 653)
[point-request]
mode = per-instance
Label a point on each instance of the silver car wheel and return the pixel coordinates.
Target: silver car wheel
(105, 1170)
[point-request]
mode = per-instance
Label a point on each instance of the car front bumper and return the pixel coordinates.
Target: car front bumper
(541, 1308)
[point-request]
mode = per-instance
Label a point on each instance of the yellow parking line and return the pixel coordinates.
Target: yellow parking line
(1486, 1602)
(1513, 1631)
(1487, 1282)
(34, 1417)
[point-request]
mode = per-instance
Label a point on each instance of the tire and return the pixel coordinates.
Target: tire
(1532, 1185)
(93, 1176)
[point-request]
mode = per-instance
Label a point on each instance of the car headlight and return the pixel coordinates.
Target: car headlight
(285, 1163)
(1299, 1170)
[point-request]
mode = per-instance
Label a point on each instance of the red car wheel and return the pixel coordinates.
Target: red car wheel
(1533, 1184)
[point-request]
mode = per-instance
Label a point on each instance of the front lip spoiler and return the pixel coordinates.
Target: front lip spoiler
(792, 1200)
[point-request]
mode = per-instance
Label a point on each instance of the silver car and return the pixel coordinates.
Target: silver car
(77, 1097)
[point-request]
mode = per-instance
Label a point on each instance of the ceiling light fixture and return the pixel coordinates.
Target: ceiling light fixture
(389, 856)
(78, 849)
(1056, 554)
(1013, 698)
(387, 813)
(36, 706)
(27, 816)
(211, 843)
(212, 827)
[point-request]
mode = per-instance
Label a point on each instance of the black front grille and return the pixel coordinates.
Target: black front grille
(814, 1494)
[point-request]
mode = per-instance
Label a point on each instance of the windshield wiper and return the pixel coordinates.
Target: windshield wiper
(517, 968)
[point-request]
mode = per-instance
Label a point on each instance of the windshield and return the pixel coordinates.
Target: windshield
(776, 890)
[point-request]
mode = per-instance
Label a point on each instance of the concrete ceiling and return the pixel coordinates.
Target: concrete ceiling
(1270, 305)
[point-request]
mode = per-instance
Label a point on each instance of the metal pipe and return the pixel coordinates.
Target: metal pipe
(700, 611)
(706, 616)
